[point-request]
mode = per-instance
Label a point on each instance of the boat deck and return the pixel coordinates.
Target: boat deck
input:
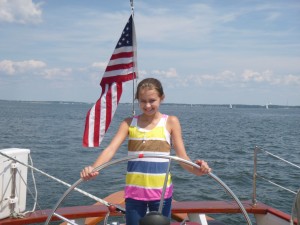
(178, 209)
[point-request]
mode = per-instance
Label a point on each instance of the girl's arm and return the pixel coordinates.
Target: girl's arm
(108, 153)
(173, 125)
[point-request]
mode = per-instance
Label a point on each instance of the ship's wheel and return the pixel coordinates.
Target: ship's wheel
(151, 218)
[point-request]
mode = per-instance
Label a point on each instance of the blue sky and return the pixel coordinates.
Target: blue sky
(204, 52)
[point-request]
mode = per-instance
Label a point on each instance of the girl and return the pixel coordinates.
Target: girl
(151, 132)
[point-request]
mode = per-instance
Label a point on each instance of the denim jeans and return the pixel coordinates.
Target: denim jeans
(137, 209)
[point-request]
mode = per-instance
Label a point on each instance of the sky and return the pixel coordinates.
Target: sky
(203, 52)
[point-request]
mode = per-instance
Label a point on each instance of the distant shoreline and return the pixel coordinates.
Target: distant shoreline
(270, 106)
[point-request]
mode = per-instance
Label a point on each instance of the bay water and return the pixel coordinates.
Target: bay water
(224, 137)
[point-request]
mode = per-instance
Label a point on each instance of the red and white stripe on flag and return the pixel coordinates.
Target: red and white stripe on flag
(121, 68)
(100, 115)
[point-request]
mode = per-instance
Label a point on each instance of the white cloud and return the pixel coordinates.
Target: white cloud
(231, 16)
(246, 78)
(170, 73)
(198, 21)
(9, 67)
(272, 16)
(142, 74)
(249, 75)
(58, 73)
(291, 79)
(100, 65)
(20, 11)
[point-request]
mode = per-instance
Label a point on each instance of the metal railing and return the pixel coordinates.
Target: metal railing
(256, 175)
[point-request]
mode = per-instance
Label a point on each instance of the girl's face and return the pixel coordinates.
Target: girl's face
(149, 101)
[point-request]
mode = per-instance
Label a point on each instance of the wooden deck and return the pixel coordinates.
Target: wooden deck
(178, 208)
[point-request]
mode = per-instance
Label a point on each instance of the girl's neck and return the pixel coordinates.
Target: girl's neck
(150, 118)
(149, 121)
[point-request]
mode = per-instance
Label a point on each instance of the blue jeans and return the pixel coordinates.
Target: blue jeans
(137, 209)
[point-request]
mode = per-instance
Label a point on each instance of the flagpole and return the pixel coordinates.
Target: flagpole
(132, 8)
(133, 80)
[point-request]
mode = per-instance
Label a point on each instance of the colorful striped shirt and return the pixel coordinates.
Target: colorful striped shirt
(145, 176)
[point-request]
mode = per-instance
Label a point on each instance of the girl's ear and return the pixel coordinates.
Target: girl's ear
(162, 98)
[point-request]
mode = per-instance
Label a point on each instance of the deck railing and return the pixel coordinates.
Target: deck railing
(256, 175)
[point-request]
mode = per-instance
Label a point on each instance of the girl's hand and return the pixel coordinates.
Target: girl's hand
(204, 168)
(87, 173)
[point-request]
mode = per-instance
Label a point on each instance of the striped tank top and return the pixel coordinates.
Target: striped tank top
(145, 176)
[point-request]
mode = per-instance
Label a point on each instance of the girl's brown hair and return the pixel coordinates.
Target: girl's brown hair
(150, 83)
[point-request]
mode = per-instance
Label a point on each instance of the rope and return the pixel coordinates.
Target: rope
(276, 184)
(275, 156)
(21, 215)
(284, 160)
(58, 180)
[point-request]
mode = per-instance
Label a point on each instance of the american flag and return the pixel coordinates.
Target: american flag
(122, 67)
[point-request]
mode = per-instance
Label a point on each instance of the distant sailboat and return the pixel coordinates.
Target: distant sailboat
(267, 106)
(230, 106)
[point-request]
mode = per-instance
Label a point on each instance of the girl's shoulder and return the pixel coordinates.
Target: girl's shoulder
(172, 118)
(128, 120)
(172, 122)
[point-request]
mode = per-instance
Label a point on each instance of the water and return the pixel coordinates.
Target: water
(224, 137)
